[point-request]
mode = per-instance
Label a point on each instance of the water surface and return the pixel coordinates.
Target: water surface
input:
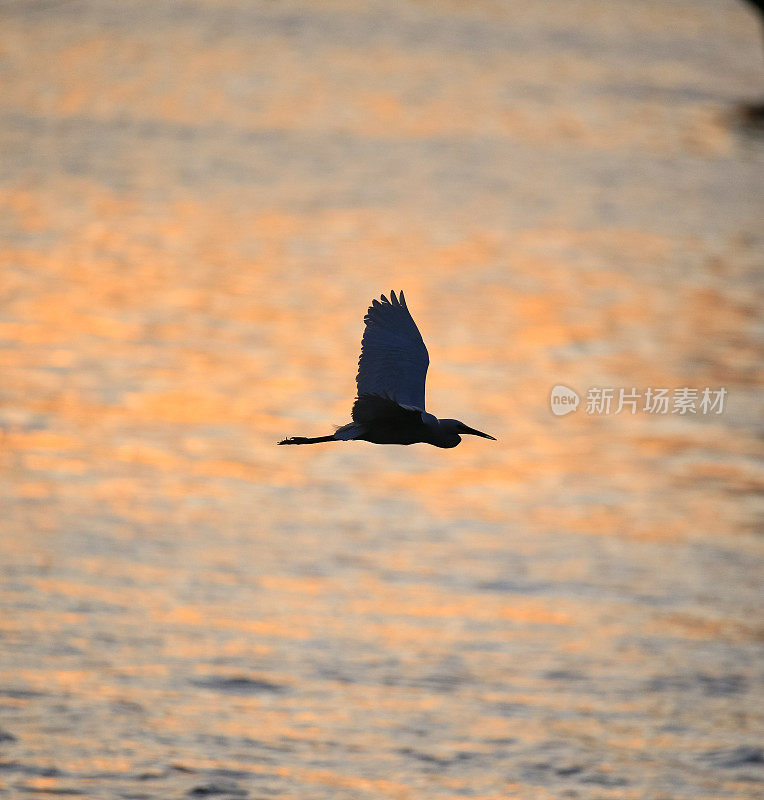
(198, 201)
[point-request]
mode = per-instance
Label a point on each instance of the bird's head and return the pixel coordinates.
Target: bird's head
(454, 427)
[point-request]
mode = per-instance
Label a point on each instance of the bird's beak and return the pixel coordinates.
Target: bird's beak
(477, 433)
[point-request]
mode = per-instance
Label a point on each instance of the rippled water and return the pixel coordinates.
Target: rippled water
(198, 200)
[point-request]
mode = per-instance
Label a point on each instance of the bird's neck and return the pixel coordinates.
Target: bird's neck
(438, 434)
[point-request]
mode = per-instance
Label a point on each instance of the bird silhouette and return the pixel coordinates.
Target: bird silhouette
(392, 369)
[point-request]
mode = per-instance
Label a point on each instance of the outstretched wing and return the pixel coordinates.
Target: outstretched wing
(377, 409)
(394, 360)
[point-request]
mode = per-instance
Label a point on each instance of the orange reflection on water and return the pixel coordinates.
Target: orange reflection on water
(187, 608)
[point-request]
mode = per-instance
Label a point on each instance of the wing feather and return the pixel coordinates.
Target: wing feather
(375, 409)
(394, 359)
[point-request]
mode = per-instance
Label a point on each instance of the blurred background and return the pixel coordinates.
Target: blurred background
(198, 201)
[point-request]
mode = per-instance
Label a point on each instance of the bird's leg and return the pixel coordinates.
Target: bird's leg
(307, 439)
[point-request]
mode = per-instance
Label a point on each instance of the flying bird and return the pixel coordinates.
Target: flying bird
(392, 369)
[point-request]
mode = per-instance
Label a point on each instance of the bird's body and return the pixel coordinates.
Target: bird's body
(392, 369)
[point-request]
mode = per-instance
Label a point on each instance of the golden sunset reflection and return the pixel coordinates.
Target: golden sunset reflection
(198, 201)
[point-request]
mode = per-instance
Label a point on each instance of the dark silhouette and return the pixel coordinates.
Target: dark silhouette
(392, 369)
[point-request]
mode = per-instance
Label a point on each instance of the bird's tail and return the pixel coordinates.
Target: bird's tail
(307, 439)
